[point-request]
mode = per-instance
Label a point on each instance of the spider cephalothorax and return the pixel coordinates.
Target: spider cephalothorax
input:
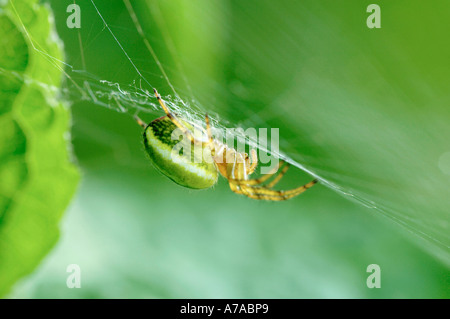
(202, 173)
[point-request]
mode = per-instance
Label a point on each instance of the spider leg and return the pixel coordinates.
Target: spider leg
(262, 179)
(278, 178)
(173, 119)
(208, 129)
(271, 194)
(268, 194)
(235, 188)
(252, 193)
(210, 137)
(139, 121)
(254, 161)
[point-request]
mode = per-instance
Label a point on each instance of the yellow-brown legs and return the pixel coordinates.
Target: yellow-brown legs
(210, 143)
(208, 129)
(254, 161)
(173, 119)
(237, 190)
(139, 121)
(251, 189)
(258, 181)
(166, 110)
(269, 194)
(278, 178)
(181, 126)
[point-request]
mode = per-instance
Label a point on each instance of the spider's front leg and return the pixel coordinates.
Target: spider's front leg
(208, 129)
(173, 118)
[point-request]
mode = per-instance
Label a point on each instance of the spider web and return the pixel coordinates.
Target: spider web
(136, 98)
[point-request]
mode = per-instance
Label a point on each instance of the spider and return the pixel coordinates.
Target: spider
(235, 166)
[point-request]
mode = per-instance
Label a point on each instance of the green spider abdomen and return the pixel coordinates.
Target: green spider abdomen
(184, 169)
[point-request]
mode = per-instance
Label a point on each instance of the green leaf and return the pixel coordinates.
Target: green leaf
(37, 178)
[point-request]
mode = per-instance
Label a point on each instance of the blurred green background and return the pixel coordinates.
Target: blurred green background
(365, 109)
